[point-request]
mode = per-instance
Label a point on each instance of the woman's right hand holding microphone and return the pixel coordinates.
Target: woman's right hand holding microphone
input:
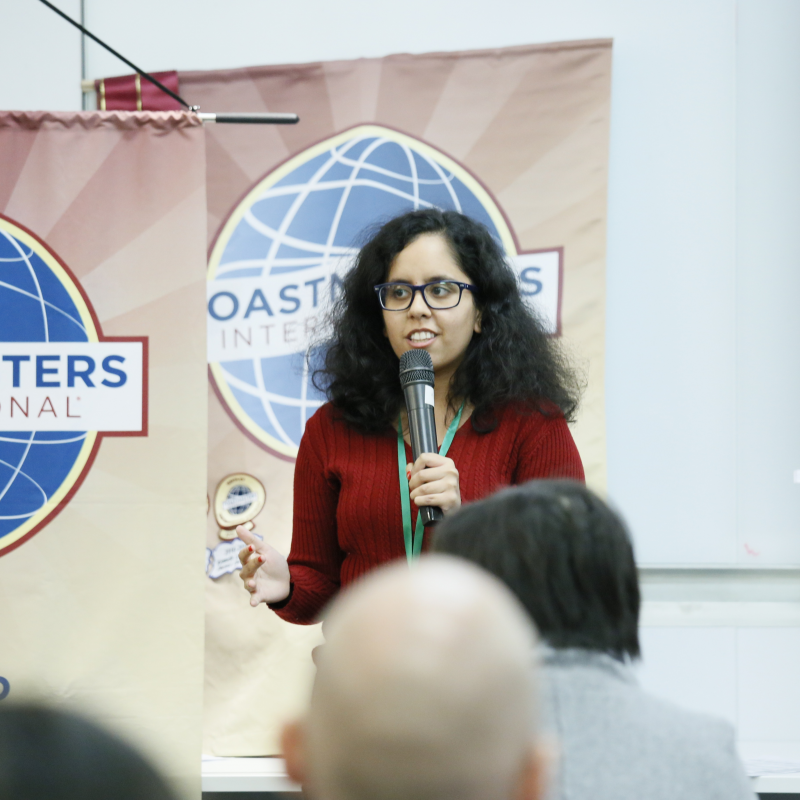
(265, 571)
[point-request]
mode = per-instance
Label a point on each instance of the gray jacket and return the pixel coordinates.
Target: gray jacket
(615, 742)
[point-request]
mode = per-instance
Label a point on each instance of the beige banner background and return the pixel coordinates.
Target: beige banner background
(102, 610)
(531, 123)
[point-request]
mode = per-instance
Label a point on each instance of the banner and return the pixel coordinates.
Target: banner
(135, 93)
(517, 138)
(103, 422)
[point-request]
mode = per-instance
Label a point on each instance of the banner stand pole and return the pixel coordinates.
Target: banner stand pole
(229, 118)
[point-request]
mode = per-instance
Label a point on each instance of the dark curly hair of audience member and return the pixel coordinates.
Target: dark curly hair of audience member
(512, 359)
(564, 553)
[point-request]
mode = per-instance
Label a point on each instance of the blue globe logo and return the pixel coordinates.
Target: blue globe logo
(39, 302)
(279, 257)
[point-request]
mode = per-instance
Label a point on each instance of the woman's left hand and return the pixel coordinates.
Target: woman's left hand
(433, 481)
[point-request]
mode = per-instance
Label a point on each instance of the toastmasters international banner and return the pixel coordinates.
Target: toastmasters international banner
(103, 422)
(517, 138)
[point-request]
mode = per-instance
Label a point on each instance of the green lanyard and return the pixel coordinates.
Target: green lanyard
(414, 546)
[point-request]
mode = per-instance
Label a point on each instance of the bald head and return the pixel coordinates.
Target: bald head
(425, 689)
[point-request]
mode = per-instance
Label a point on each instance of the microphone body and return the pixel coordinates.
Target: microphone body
(416, 377)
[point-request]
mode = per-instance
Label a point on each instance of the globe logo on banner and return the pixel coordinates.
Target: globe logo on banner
(62, 385)
(278, 261)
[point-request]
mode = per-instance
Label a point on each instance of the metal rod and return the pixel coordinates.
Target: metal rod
(252, 119)
(118, 55)
(83, 54)
(230, 118)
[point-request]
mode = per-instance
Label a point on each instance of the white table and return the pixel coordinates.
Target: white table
(777, 784)
(269, 775)
(246, 775)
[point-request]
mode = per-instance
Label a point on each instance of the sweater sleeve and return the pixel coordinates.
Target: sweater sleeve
(547, 450)
(315, 559)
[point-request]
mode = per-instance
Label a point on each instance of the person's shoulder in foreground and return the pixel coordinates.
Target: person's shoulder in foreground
(569, 559)
(617, 742)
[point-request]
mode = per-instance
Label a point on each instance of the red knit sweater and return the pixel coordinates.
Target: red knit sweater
(347, 516)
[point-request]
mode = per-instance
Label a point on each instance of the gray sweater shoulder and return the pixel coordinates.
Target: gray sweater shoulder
(617, 741)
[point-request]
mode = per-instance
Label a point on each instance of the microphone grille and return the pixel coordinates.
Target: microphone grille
(416, 366)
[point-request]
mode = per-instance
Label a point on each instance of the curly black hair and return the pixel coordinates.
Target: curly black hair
(511, 359)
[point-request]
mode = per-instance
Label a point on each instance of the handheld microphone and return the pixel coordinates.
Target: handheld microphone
(416, 378)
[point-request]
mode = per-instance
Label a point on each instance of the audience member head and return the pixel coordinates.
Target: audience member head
(47, 754)
(564, 553)
(425, 689)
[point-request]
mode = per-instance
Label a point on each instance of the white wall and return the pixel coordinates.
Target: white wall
(768, 276)
(703, 385)
(40, 56)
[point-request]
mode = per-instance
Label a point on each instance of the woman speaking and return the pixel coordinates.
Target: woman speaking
(503, 393)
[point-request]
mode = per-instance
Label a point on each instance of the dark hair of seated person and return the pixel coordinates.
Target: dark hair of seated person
(564, 553)
(48, 754)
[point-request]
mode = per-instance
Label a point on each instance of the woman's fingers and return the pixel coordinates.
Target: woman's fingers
(248, 537)
(431, 475)
(270, 584)
(429, 460)
(447, 501)
(245, 553)
(250, 566)
(434, 482)
(434, 489)
(431, 467)
(251, 549)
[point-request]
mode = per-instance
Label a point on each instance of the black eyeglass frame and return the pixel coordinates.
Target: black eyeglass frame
(421, 288)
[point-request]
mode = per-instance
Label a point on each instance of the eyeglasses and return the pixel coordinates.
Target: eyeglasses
(437, 294)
